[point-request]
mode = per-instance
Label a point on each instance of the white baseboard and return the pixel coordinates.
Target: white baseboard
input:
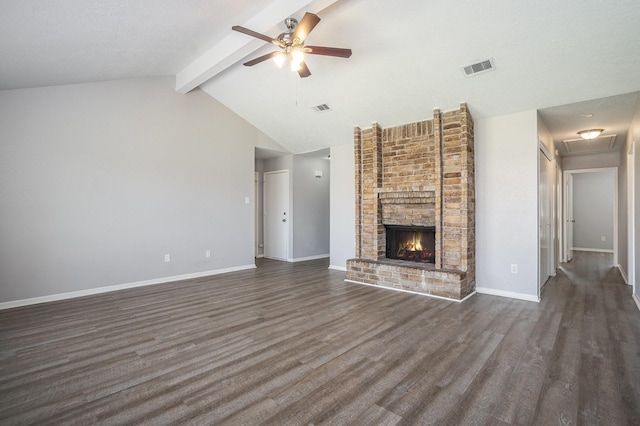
(592, 250)
(303, 259)
(98, 290)
(624, 275)
(510, 294)
(637, 300)
(338, 268)
(411, 292)
(259, 256)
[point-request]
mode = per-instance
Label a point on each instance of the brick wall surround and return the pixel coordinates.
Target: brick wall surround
(417, 174)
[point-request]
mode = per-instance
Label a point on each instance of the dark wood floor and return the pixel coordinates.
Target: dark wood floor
(294, 344)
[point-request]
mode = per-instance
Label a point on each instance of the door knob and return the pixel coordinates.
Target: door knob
(284, 220)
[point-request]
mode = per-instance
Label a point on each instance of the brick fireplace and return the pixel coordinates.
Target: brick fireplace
(417, 175)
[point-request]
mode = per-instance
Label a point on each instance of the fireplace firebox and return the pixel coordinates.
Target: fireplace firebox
(411, 243)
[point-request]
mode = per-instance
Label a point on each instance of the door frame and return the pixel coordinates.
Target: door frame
(616, 202)
(631, 222)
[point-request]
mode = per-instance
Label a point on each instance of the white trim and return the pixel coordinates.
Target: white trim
(624, 275)
(99, 290)
(259, 256)
(304, 259)
(631, 219)
(410, 292)
(510, 294)
(338, 268)
(592, 249)
(637, 300)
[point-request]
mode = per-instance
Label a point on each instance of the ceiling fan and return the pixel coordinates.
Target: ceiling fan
(291, 44)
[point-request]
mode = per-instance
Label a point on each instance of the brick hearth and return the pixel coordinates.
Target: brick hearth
(419, 174)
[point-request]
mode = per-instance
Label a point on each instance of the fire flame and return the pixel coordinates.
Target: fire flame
(415, 244)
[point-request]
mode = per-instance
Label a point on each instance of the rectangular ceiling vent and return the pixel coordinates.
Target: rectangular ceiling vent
(322, 108)
(591, 146)
(479, 67)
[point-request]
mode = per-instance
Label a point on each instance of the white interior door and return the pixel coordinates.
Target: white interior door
(544, 220)
(276, 214)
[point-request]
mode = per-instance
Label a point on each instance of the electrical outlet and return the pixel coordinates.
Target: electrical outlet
(167, 258)
(602, 238)
(514, 268)
(207, 253)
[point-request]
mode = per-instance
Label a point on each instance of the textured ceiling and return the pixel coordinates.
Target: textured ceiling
(407, 57)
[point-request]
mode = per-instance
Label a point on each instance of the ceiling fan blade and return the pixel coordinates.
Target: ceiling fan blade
(328, 51)
(260, 59)
(304, 70)
(308, 23)
(252, 33)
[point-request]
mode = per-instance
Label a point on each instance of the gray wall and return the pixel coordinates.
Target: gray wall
(591, 161)
(99, 181)
(593, 198)
(311, 220)
(507, 204)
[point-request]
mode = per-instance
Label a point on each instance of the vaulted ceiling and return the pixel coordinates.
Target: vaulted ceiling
(407, 58)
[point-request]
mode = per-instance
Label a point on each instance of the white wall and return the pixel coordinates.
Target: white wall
(99, 181)
(506, 205)
(343, 208)
(593, 198)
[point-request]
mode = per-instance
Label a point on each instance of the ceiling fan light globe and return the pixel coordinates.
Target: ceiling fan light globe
(279, 59)
(297, 56)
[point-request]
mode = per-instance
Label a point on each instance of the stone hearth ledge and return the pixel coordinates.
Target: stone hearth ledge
(411, 277)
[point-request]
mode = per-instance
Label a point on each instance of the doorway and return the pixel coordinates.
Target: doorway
(591, 211)
(276, 214)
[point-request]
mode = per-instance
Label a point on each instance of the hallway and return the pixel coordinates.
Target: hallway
(594, 369)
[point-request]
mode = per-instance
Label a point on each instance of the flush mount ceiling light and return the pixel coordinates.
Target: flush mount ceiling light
(590, 134)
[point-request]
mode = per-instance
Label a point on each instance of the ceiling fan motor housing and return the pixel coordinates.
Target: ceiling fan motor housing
(291, 23)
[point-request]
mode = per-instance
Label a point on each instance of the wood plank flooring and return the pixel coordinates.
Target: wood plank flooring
(294, 344)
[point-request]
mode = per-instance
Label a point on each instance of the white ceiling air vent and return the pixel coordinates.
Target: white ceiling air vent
(479, 67)
(321, 108)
